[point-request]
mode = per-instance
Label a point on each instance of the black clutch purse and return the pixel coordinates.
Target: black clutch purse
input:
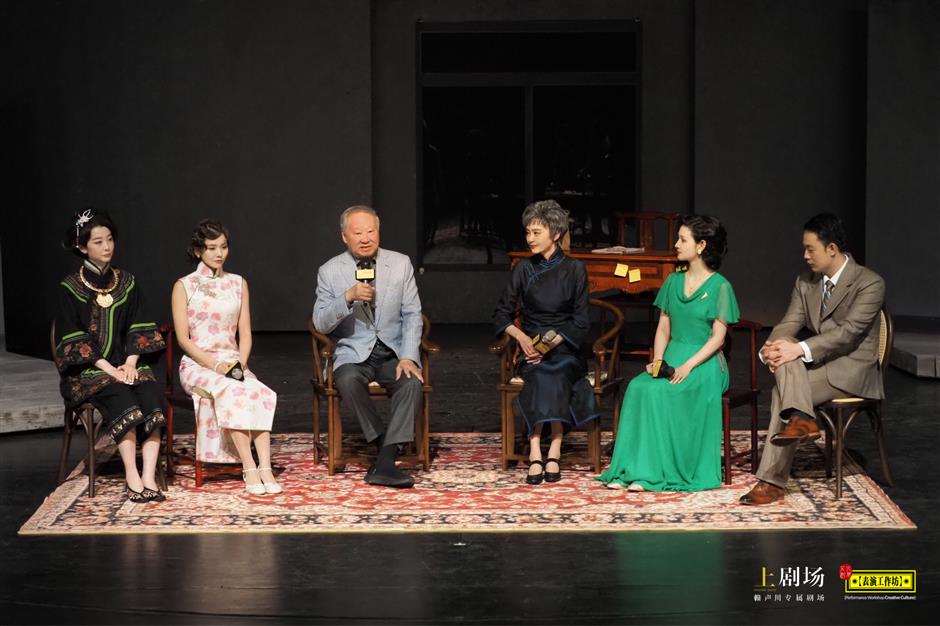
(661, 369)
(236, 371)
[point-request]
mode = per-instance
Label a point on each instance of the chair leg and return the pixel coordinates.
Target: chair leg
(161, 476)
(66, 444)
(197, 464)
(755, 460)
(168, 429)
(334, 438)
(594, 444)
(827, 449)
(840, 450)
(503, 431)
(509, 427)
(875, 414)
(88, 420)
(316, 427)
(726, 438)
(426, 433)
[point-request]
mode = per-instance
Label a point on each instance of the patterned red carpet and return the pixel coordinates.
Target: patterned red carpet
(465, 490)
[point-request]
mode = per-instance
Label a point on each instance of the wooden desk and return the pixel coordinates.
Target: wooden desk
(654, 266)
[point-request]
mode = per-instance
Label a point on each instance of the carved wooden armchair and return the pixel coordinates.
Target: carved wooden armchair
(603, 375)
(324, 390)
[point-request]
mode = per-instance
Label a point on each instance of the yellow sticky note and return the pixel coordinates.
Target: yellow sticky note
(634, 276)
(621, 270)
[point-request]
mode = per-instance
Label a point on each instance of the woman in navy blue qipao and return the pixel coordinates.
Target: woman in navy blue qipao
(550, 291)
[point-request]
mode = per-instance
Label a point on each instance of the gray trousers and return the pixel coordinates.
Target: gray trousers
(352, 382)
(797, 388)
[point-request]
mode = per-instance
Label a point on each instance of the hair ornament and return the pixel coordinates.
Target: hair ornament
(83, 218)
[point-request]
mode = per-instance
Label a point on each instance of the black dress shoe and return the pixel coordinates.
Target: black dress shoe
(553, 477)
(397, 478)
(535, 479)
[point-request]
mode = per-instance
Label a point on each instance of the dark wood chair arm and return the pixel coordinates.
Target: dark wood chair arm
(430, 347)
(169, 335)
(326, 344)
(600, 346)
(499, 347)
(751, 328)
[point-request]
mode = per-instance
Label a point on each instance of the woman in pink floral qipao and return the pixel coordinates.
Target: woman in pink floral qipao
(213, 327)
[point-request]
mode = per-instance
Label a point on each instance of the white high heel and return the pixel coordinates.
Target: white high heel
(257, 489)
(274, 487)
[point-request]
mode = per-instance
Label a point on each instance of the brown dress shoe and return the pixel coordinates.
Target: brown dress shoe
(763, 493)
(798, 430)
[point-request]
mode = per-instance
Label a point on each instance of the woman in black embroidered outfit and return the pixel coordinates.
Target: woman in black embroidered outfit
(105, 346)
(551, 290)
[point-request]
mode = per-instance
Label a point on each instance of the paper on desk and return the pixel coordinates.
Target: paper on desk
(618, 250)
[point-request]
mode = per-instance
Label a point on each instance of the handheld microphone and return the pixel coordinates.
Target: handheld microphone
(661, 369)
(365, 271)
(544, 344)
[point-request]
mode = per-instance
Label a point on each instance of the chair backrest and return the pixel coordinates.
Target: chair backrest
(169, 336)
(885, 339)
(606, 348)
(322, 345)
(52, 339)
(646, 224)
(752, 329)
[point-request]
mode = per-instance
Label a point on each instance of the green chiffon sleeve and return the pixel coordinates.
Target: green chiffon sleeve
(663, 297)
(724, 306)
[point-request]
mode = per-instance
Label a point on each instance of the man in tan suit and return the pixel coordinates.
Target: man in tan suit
(838, 303)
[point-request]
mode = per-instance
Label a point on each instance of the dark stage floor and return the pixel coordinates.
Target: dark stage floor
(681, 577)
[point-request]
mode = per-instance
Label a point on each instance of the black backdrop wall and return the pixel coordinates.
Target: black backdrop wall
(166, 112)
(274, 116)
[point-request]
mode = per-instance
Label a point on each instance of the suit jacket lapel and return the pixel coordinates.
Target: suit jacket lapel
(814, 303)
(348, 270)
(382, 273)
(842, 287)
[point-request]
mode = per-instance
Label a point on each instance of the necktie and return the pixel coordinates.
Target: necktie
(827, 293)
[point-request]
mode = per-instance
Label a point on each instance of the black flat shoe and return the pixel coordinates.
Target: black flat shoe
(399, 479)
(153, 496)
(137, 497)
(535, 479)
(553, 477)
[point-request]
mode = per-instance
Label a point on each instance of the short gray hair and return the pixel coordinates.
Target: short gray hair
(549, 213)
(357, 208)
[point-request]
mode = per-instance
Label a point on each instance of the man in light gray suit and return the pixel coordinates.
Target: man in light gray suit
(837, 302)
(368, 302)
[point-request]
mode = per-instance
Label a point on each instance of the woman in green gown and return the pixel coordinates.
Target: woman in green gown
(669, 438)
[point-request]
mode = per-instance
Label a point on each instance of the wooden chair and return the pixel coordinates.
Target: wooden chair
(838, 414)
(733, 398)
(323, 351)
(603, 374)
(84, 415)
(645, 224)
(740, 396)
(177, 398)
